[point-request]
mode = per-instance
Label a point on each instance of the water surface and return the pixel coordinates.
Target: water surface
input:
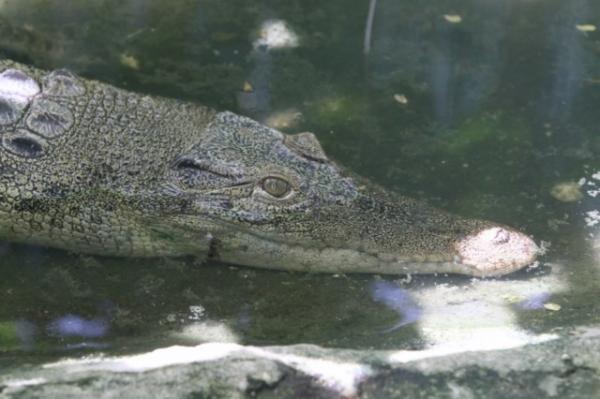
(488, 109)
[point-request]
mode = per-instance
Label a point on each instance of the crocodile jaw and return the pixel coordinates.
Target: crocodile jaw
(493, 251)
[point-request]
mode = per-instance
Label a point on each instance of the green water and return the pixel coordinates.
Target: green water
(484, 116)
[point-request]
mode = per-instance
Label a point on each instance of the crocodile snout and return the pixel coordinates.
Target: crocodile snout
(496, 251)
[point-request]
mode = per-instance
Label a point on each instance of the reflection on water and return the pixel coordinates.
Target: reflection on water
(255, 97)
(569, 71)
(76, 326)
(534, 301)
(479, 315)
(483, 112)
(397, 299)
(26, 333)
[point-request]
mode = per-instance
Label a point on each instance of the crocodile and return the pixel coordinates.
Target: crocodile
(92, 168)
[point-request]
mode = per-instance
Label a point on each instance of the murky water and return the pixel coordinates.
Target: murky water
(485, 108)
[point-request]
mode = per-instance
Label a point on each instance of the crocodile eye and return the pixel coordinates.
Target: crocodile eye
(275, 186)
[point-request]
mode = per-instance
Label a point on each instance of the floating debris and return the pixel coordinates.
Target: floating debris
(552, 306)
(592, 218)
(592, 187)
(247, 87)
(453, 18)
(196, 312)
(171, 318)
(129, 61)
(275, 34)
(567, 191)
(401, 99)
(283, 119)
(586, 28)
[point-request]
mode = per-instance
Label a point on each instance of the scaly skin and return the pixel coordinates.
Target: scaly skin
(90, 168)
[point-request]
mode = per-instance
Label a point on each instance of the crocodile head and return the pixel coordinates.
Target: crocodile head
(91, 168)
(268, 199)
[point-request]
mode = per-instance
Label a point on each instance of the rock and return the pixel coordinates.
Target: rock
(566, 368)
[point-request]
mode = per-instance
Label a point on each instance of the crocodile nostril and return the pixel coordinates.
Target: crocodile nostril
(502, 237)
(497, 250)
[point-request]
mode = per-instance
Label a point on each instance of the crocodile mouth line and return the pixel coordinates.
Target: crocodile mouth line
(494, 251)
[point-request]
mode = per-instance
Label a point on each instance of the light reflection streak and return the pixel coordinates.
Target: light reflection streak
(479, 316)
(75, 326)
(398, 300)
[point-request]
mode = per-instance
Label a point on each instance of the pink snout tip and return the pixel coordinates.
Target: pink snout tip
(496, 251)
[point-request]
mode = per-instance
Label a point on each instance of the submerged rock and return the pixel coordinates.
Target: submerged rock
(567, 191)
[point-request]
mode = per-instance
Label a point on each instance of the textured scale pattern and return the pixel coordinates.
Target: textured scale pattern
(88, 167)
(73, 181)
